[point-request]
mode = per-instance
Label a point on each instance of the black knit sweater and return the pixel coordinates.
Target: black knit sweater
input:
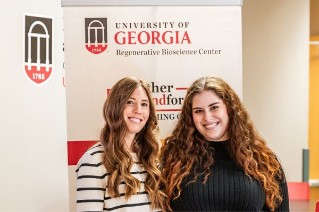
(227, 188)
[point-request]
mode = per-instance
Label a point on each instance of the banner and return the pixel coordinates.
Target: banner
(169, 46)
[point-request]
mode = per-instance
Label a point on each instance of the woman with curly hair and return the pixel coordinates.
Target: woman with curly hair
(120, 172)
(215, 160)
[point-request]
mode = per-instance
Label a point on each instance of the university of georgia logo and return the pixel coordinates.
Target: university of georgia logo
(96, 35)
(38, 48)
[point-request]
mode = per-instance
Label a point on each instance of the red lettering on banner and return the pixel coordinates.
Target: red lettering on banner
(118, 35)
(131, 38)
(152, 37)
(155, 37)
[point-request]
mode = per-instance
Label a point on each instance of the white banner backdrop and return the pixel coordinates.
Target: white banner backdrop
(169, 46)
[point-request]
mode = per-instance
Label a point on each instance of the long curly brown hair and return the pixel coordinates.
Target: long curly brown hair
(118, 161)
(186, 147)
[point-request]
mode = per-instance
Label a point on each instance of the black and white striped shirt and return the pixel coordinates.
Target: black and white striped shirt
(92, 194)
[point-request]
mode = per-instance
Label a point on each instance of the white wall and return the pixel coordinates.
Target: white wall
(33, 153)
(275, 76)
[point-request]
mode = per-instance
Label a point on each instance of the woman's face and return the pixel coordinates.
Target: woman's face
(210, 116)
(136, 112)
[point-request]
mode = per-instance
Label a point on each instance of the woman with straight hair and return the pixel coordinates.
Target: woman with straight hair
(120, 172)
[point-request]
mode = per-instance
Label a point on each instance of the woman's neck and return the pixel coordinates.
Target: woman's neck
(129, 141)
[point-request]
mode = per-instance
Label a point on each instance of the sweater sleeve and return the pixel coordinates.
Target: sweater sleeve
(90, 183)
(284, 205)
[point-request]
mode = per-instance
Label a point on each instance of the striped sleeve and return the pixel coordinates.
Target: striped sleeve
(91, 180)
(92, 193)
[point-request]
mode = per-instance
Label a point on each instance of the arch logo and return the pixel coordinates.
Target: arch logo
(96, 35)
(38, 55)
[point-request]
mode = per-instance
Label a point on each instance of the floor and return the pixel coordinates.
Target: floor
(302, 205)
